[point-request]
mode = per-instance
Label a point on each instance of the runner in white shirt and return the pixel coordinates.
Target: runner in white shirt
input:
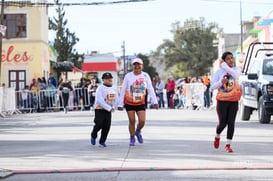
(228, 95)
(135, 86)
(105, 103)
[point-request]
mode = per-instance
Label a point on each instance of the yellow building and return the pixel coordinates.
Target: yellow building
(25, 48)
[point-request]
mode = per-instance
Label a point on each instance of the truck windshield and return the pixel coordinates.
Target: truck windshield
(268, 67)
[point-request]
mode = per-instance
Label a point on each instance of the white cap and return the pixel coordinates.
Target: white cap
(137, 60)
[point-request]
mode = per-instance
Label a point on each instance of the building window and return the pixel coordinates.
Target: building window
(16, 25)
(17, 79)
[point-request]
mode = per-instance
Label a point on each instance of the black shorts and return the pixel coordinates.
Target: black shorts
(135, 108)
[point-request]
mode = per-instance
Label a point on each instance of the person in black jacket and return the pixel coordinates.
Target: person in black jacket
(65, 87)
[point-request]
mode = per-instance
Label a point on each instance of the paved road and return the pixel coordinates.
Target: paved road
(177, 145)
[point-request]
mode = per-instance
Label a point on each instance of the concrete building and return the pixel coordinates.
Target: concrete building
(97, 64)
(232, 42)
(25, 49)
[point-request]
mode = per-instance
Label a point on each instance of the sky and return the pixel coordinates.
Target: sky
(142, 26)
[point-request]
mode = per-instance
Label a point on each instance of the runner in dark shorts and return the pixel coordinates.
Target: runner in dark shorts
(135, 108)
(132, 97)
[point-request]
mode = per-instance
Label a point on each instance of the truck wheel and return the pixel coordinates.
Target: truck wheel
(263, 117)
(245, 111)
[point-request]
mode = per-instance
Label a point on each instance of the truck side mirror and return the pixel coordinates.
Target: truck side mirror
(252, 76)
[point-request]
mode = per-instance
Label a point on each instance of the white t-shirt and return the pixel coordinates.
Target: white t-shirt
(105, 98)
(134, 89)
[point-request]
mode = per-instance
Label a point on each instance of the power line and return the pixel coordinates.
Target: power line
(28, 3)
(236, 1)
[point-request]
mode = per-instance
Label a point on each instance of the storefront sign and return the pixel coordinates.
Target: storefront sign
(11, 56)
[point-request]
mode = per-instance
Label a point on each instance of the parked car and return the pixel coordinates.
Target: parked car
(256, 82)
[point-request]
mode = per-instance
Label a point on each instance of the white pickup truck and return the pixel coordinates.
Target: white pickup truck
(256, 82)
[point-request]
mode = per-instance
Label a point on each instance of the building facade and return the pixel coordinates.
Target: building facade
(25, 47)
(97, 64)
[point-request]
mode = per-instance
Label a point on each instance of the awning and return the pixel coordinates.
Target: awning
(255, 31)
(62, 66)
(101, 66)
(75, 69)
(265, 22)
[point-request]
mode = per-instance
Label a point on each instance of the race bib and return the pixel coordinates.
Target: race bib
(137, 97)
(230, 91)
(111, 98)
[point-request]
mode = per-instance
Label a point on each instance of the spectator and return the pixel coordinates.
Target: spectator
(92, 92)
(85, 99)
(44, 80)
(41, 84)
(71, 98)
(77, 95)
(180, 97)
(51, 93)
(33, 83)
(154, 81)
(35, 97)
(170, 87)
(25, 97)
(65, 87)
(159, 87)
(52, 80)
(206, 82)
(42, 87)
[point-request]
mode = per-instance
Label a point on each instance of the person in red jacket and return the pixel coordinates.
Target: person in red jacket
(170, 87)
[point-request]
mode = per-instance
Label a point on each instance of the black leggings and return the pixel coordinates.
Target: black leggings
(102, 122)
(226, 114)
(65, 98)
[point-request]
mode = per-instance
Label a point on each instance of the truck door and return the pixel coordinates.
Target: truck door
(251, 86)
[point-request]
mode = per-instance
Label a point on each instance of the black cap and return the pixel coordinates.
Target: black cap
(107, 75)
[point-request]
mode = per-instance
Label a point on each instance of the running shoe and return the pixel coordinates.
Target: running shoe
(139, 137)
(103, 145)
(132, 141)
(93, 141)
(216, 143)
(228, 149)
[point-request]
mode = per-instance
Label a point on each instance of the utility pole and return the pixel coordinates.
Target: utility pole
(124, 58)
(1, 36)
(241, 23)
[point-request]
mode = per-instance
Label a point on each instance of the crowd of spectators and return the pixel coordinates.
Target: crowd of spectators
(49, 95)
(176, 91)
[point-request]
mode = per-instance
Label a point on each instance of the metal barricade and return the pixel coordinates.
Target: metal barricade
(27, 100)
(194, 95)
(7, 102)
(49, 100)
(85, 98)
(77, 99)
(52, 100)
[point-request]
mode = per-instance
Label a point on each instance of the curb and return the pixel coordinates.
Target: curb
(115, 169)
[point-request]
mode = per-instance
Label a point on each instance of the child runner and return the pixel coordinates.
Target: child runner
(104, 104)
